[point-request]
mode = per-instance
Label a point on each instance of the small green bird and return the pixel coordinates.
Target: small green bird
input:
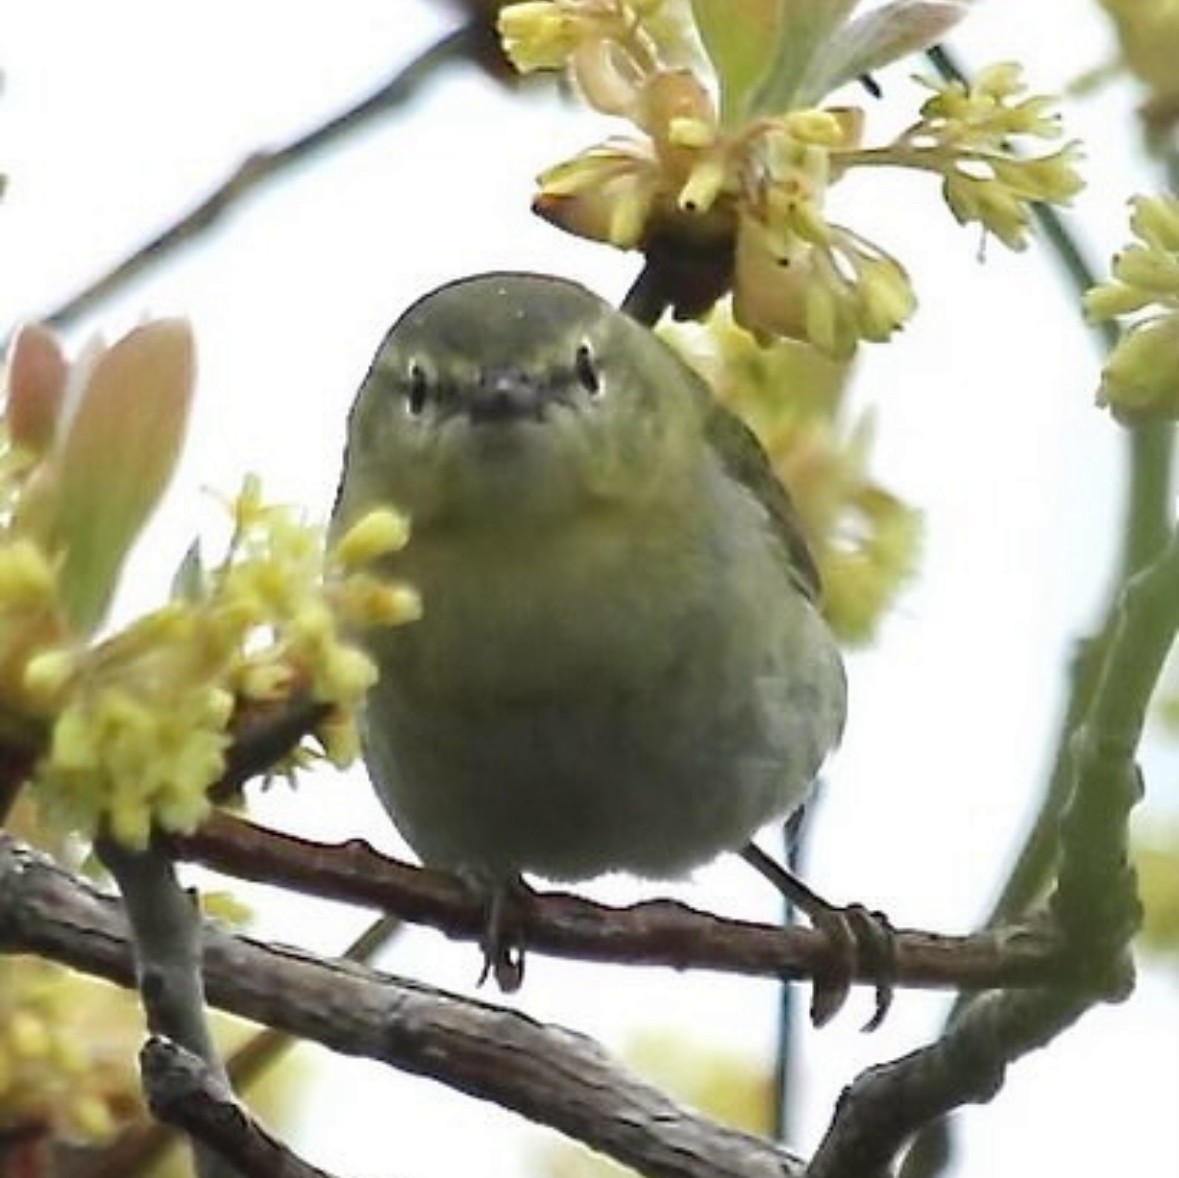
(621, 664)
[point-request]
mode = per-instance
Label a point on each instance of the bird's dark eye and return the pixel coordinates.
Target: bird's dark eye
(417, 390)
(586, 368)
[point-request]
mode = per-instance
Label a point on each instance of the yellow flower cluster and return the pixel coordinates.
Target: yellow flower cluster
(1140, 380)
(865, 540)
(31, 621)
(142, 718)
(967, 134)
(744, 185)
(546, 36)
(63, 1058)
(127, 731)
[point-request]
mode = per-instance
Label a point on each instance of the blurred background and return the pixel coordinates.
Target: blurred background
(116, 118)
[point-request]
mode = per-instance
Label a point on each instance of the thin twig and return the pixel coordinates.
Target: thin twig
(646, 300)
(263, 734)
(15, 766)
(469, 41)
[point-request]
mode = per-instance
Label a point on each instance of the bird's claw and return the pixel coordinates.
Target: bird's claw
(861, 941)
(502, 941)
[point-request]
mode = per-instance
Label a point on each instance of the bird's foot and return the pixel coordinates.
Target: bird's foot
(502, 940)
(862, 942)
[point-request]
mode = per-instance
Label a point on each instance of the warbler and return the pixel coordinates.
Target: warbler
(621, 664)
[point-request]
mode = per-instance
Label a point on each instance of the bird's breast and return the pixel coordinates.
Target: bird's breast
(591, 605)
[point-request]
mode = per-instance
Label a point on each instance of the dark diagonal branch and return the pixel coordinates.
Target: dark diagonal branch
(470, 41)
(967, 1065)
(263, 735)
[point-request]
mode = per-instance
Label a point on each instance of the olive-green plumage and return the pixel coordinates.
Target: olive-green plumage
(620, 663)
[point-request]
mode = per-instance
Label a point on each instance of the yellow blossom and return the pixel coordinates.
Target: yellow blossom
(142, 719)
(739, 191)
(46, 674)
(32, 623)
(1140, 380)
(28, 1036)
(538, 36)
(1148, 33)
(27, 576)
(136, 759)
(63, 1058)
(972, 137)
(376, 534)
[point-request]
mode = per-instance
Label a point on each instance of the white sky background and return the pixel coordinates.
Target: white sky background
(116, 116)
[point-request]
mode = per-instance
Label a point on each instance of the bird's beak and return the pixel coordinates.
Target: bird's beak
(505, 395)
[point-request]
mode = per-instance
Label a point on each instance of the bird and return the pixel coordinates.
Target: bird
(621, 663)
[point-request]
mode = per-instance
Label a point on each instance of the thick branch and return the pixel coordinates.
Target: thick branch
(967, 1064)
(1095, 908)
(545, 1073)
(141, 1144)
(660, 932)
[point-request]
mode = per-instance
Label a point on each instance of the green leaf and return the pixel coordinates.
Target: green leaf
(804, 29)
(116, 459)
(739, 39)
(885, 35)
(821, 46)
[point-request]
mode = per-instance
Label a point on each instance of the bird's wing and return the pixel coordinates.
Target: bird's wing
(747, 462)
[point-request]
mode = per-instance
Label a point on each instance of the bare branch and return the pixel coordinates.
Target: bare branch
(546, 1073)
(886, 1104)
(166, 927)
(141, 1144)
(1095, 908)
(470, 41)
(659, 932)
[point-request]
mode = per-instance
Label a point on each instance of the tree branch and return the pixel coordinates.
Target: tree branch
(470, 41)
(264, 733)
(1147, 524)
(166, 927)
(141, 1144)
(1095, 907)
(545, 1073)
(183, 1091)
(657, 932)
